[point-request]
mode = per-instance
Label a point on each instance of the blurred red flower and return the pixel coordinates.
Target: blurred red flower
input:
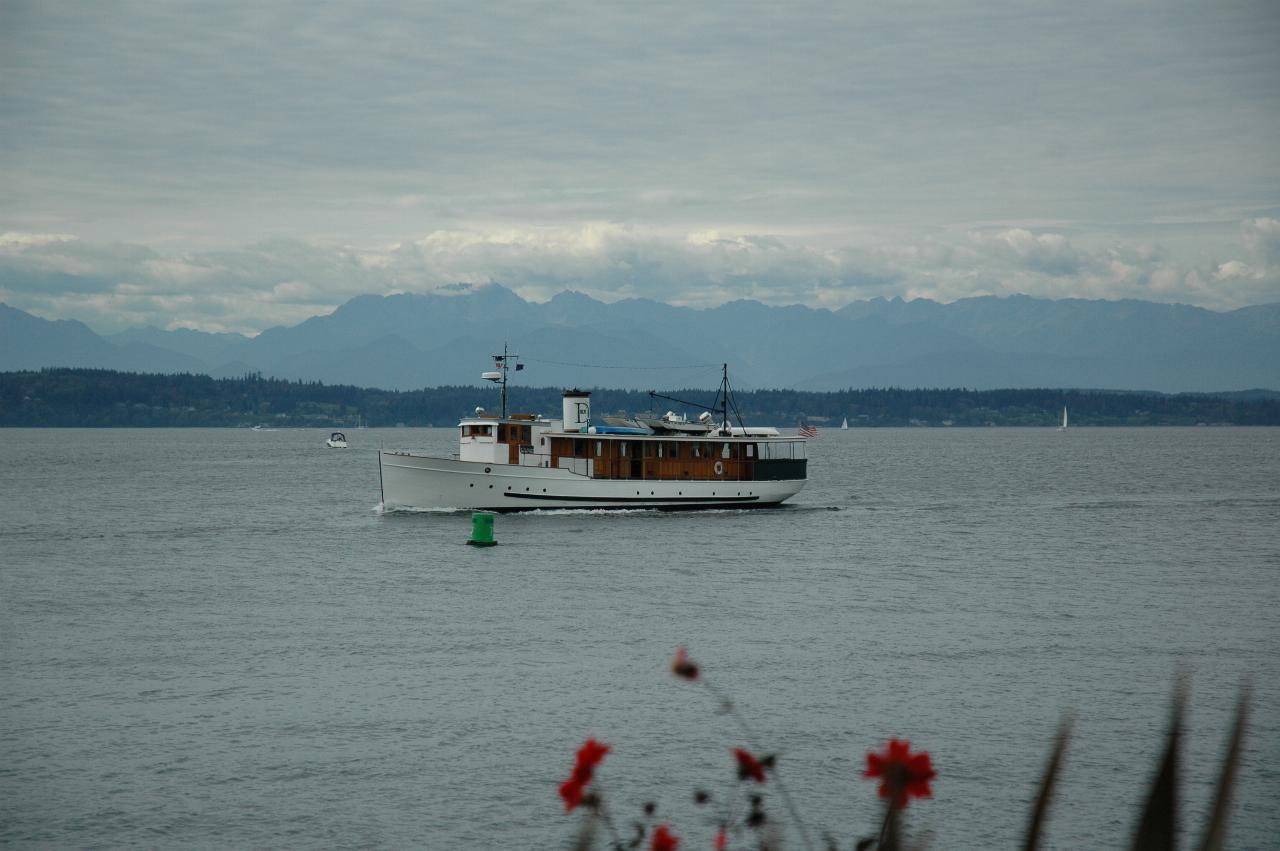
(749, 768)
(903, 775)
(682, 667)
(589, 756)
(722, 841)
(664, 839)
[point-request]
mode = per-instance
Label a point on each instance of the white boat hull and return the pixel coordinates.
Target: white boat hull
(425, 482)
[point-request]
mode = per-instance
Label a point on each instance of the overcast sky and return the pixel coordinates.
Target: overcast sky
(231, 166)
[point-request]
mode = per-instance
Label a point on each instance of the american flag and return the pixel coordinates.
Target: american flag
(805, 430)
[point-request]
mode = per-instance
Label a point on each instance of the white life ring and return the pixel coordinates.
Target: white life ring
(719, 468)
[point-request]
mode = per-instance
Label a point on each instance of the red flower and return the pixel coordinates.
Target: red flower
(682, 667)
(749, 768)
(589, 756)
(664, 839)
(902, 774)
(722, 841)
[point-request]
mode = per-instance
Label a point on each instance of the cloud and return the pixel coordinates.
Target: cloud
(13, 242)
(285, 281)
(1262, 239)
(1049, 253)
(147, 123)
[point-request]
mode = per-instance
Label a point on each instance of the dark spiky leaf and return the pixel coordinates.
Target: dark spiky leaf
(1215, 833)
(1158, 827)
(1040, 813)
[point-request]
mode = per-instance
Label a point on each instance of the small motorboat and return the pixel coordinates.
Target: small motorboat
(337, 440)
(673, 423)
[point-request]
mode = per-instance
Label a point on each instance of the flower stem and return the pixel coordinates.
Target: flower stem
(603, 812)
(727, 706)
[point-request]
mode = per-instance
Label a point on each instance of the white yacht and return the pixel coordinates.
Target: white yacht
(513, 462)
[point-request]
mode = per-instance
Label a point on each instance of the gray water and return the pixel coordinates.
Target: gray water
(212, 638)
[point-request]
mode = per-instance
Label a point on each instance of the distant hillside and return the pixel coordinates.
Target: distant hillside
(99, 398)
(403, 342)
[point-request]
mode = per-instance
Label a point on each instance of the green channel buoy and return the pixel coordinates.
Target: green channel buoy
(482, 530)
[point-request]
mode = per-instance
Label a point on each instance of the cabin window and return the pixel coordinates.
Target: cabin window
(660, 450)
(673, 450)
(477, 431)
(599, 448)
(580, 448)
(724, 451)
(695, 450)
(622, 449)
(751, 450)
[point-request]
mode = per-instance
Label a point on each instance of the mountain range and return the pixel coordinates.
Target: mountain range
(401, 342)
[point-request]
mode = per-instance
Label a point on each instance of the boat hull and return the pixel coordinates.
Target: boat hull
(411, 481)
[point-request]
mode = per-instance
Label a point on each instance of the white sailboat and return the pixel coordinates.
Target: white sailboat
(844, 426)
(1063, 427)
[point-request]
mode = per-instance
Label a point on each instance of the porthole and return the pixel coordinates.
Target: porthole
(488, 469)
(490, 487)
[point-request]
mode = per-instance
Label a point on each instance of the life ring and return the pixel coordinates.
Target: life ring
(719, 468)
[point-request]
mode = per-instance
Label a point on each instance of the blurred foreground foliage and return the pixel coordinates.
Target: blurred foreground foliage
(902, 775)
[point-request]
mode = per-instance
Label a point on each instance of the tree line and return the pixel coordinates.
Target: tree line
(106, 398)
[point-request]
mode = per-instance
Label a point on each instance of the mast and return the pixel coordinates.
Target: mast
(722, 397)
(504, 379)
(501, 362)
(724, 389)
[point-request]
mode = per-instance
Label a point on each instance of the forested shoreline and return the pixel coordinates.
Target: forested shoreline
(105, 398)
